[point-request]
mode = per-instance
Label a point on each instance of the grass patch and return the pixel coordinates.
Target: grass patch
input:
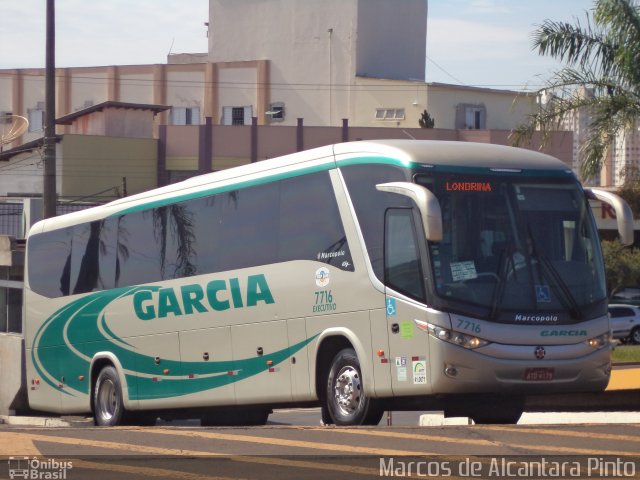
(626, 354)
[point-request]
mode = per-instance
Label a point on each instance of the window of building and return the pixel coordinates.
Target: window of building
(36, 118)
(237, 115)
(185, 115)
(276, 112)
(471, 117)
(390, 114)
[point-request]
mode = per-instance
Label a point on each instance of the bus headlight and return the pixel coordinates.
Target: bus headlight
(599, 342)
(457, 338)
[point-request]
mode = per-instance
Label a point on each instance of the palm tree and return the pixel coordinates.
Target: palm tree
(602, 58)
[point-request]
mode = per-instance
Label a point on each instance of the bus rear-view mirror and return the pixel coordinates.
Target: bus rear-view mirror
(426, 202)
(624, 215)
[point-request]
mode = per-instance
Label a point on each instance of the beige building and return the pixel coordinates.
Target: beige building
(361, 60)
(307, 74)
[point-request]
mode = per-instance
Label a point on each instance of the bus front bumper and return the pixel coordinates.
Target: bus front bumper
(456, 369)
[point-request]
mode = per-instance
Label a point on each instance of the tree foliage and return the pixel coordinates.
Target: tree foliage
(622, 264)
(426, 120)
(630, 189)
(602, 55)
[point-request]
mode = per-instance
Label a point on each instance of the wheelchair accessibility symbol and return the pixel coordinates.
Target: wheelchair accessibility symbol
(543, 295)
(391, 307)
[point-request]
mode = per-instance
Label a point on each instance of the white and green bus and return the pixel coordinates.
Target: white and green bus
(362, 277)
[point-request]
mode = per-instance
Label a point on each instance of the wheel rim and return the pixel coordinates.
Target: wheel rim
(635, 335)
(107, 399)
(347, 390)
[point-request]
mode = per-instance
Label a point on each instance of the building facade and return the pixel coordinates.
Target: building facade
(280, 61)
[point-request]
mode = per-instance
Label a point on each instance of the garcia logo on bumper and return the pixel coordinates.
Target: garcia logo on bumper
(563, 333)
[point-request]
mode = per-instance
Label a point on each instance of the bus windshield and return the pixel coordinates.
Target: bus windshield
(522, 250)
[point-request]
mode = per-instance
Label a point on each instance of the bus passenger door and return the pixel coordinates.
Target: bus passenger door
(404, 294)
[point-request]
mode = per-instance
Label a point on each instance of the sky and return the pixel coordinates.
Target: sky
(470, 42)
(489, 42)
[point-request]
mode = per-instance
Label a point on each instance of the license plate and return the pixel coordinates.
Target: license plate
(538, 374)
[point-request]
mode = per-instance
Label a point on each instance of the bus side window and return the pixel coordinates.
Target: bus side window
(93, 257)
(50, 262)
(310, 227)
(402, 259)
(370, 204)
(140, 258)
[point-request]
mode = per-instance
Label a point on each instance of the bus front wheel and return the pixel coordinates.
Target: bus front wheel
(108, 406)
(346, 401)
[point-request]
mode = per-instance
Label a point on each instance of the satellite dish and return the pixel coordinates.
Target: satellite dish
(11, 127)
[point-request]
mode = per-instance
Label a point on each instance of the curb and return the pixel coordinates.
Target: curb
(53, 422)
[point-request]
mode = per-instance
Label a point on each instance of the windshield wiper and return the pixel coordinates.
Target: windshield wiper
(498, 292)
(558, 284)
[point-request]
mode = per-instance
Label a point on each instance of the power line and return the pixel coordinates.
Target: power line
(394, 85)
(445, 72)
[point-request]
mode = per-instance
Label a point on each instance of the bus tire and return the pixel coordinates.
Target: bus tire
(346, 402)
(498, 411)
(108, 406)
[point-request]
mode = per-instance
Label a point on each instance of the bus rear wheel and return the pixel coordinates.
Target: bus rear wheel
(346, 401)
(108, 405)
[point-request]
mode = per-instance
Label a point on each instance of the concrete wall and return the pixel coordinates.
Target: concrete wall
(86, 87)
(13, 395)
(91, 164)
(231, 145)
(391, 39)
(86, 165)
(310, 46)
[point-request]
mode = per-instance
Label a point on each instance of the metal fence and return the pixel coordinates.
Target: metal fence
(11, 215)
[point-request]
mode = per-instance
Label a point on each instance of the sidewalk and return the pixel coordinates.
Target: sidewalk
(625, 379)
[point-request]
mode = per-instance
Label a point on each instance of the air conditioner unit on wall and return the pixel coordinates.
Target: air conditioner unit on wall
(5, 117)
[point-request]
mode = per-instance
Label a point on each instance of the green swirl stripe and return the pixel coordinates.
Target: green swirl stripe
(67, 341)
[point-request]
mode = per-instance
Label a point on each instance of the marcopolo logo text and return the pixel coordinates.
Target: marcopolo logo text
(536, 318)
(217, 295)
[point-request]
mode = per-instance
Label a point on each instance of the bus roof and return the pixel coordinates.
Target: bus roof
(406, 153)
(452, 153)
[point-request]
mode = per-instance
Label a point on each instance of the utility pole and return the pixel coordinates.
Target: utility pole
(49, 187)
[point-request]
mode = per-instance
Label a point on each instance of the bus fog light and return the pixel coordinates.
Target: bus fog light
(450, 371)
(474, 342)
